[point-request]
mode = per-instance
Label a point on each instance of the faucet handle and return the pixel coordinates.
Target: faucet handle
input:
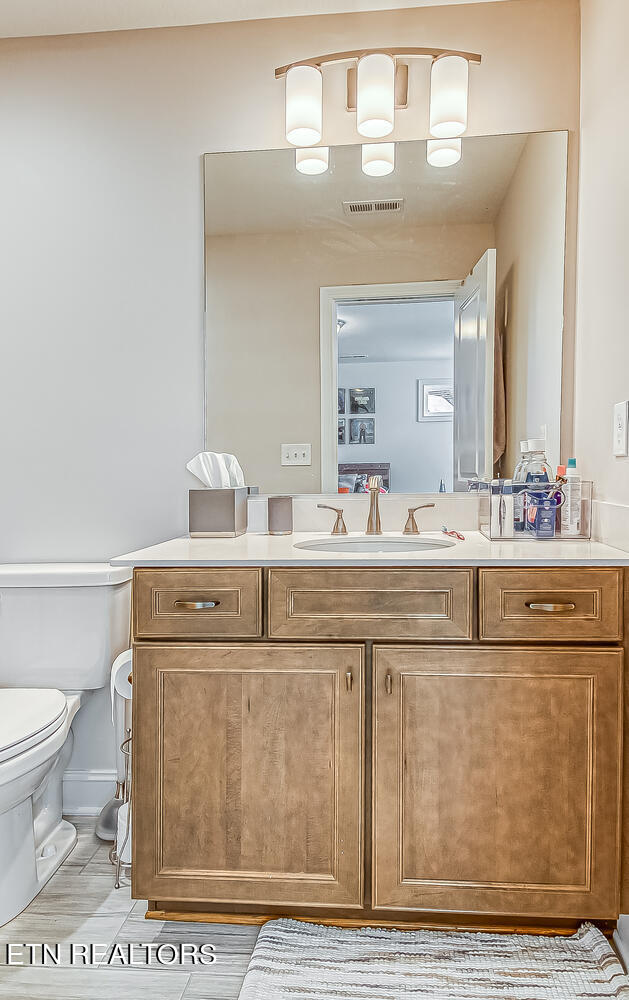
(339, 525)
(410, 528)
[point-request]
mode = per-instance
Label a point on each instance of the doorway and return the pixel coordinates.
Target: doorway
(387, 400)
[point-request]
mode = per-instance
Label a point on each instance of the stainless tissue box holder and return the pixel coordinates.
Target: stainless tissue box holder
(217, 513)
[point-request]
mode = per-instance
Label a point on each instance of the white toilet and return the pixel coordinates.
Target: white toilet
(61, 627)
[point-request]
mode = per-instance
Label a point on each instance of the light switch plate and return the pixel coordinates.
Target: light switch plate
(296, 454)
(621, 420)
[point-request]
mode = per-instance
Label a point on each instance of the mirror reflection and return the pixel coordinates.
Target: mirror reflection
(408, 325)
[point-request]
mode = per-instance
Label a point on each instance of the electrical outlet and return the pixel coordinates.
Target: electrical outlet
(621, 419)
(296, 454)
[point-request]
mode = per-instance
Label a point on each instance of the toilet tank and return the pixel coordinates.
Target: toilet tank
(62, 624)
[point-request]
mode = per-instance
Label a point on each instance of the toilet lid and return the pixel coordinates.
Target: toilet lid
(28, 716)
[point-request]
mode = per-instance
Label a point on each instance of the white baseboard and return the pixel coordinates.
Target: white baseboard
(85, 792)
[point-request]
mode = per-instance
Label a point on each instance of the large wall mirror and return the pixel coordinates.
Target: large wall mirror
(408, 324)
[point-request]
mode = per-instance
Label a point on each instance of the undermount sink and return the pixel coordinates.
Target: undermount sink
(373, 543)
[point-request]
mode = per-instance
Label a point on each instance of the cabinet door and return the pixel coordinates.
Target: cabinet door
(247, 773)
(497, 780)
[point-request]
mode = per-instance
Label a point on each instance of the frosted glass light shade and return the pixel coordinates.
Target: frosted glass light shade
(378, 158)
(448, 96)
(314, 160)
(443, 152)
(375, 95)
(304, 105)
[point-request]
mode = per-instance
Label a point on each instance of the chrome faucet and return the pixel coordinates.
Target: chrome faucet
(373, 521)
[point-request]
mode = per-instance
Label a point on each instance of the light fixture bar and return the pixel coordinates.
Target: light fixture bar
(356, 54)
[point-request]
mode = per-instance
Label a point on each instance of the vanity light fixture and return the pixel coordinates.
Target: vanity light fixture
(448, 96)
(443, 152)
(304, 105)
(378, 158)
(312, 160)
(377, 85)
(375, 95)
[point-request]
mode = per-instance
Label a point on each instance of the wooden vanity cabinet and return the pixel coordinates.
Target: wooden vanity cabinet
(248, 773)
(496, 777)
(334, 757)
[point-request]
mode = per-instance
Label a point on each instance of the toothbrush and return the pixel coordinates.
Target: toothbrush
(454, 534)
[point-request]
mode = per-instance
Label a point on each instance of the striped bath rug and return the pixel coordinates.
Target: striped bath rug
(303, 961)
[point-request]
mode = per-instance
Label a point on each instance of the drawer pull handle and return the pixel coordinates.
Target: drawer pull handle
(550, 607)
(388, 683)
(349, 681)
(196, 605)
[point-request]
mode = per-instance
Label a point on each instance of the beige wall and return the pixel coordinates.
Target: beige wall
(602, 358)
(102, 241)
(263, 329)
(530, 243)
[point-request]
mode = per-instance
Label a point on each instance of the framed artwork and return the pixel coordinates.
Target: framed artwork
(341, 393)
(362, 400)
(356, 474)
(435, 399)
(362, 430)
(342, 432)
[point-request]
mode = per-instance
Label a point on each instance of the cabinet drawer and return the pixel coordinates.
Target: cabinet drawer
(370, 603)
(197, 603)
(541, 604)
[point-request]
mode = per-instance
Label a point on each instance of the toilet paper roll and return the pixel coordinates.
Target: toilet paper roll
(123, 837)
(120, 692)
(120, 683)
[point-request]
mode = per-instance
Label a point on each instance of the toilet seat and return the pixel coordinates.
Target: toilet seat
(28, 716)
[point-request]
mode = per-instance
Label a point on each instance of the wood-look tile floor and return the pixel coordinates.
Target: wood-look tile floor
(79, 905)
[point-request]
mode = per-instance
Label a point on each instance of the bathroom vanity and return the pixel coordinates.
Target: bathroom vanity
(422, 738)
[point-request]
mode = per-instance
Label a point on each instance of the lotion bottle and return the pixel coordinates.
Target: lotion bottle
(571, 508)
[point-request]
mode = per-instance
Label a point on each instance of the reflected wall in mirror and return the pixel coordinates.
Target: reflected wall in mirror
(408, 324)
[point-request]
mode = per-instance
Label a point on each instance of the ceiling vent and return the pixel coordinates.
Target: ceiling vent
(373, 207)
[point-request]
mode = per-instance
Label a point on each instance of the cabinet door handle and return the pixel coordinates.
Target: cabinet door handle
(388, 683)
(550, 607)
(349, 680)
(196, 605)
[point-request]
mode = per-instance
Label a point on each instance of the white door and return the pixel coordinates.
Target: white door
(474, 318)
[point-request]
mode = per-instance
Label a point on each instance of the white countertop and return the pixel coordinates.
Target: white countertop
(254, 549)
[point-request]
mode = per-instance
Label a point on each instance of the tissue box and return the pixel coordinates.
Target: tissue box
(217, 513)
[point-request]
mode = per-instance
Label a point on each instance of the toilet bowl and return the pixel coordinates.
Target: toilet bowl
(34, 730)
(61, 626)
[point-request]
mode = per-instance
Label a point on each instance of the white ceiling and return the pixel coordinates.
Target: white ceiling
(67, 17)
(262, 192)
(397, 331)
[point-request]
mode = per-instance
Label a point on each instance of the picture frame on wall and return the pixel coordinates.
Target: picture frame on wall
(362, 430)
(342, 432)
(362, 401)
(341, 395)
(435, 399)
